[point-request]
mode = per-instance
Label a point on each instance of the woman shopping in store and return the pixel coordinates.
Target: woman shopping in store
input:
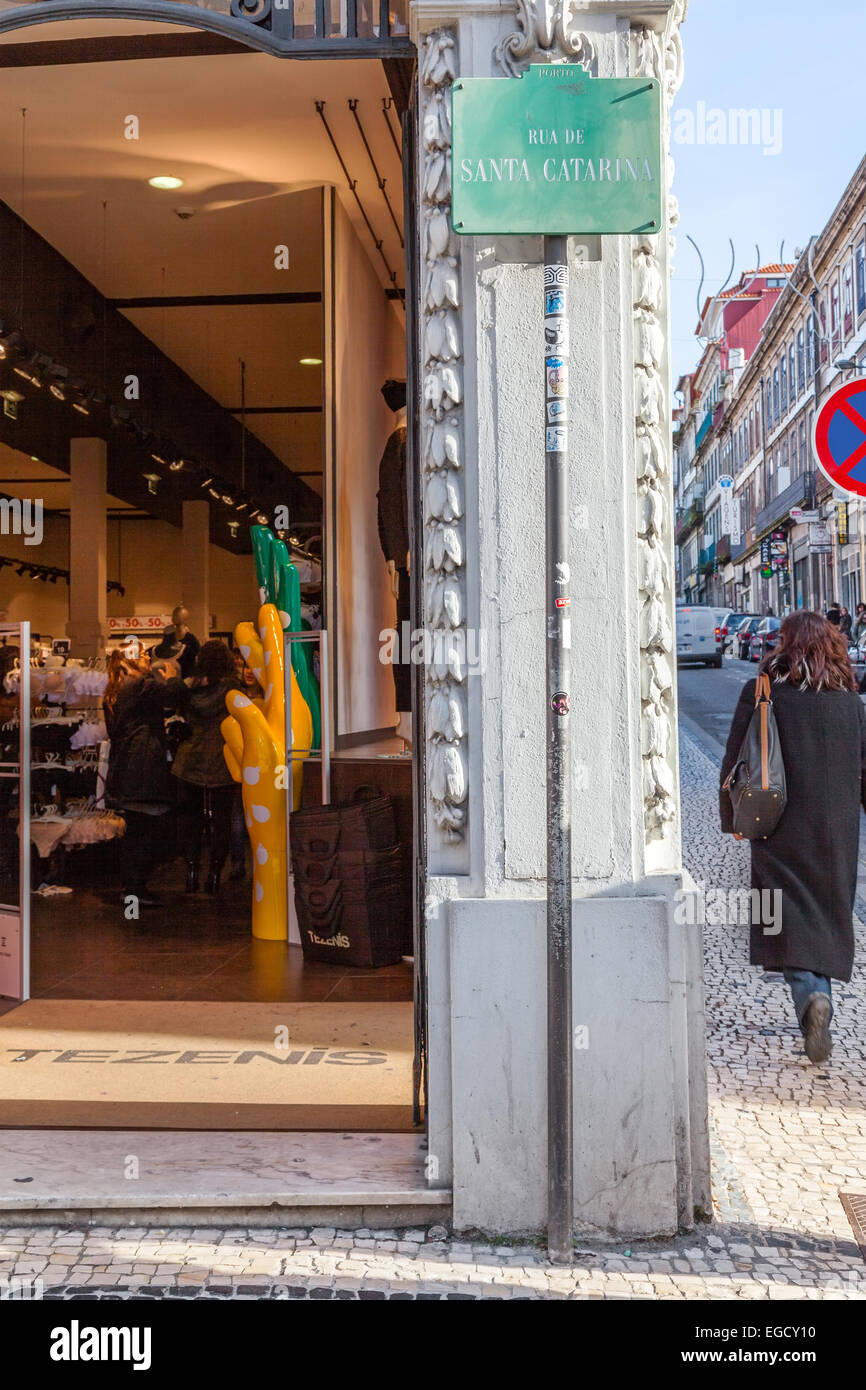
(203, 780)
(137, 699)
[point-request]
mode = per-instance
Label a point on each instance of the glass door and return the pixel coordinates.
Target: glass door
(15, 810)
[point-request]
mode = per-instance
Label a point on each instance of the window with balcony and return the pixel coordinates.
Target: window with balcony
(783, 383)
(775, 400)
(801, 363)
(847, 303)
(860, 276)
(803, 455)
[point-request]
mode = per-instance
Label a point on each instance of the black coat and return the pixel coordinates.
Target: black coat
(138, 771)
(812, 854)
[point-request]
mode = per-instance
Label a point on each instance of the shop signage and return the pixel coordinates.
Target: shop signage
(774, 554)
(820, 542)
(839, 438)
(803, 517)
(556, 151)
(842, 523)
(730, 509)
(139, 622)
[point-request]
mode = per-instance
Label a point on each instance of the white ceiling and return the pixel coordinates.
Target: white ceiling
(243, 132)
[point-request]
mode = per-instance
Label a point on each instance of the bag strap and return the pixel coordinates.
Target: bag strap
(762, 699)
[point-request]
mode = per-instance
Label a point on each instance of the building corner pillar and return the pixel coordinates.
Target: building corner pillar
(195, 567)
(88, 548)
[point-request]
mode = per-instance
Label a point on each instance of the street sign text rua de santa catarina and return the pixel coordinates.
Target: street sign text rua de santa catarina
(556, 151)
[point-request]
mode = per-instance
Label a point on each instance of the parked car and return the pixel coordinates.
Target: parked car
(726, 621)
(764, 638)
(742, 635)
(698, 635)
(857, 657)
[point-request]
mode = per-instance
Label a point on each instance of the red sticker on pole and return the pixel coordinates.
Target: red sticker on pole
(839, 438)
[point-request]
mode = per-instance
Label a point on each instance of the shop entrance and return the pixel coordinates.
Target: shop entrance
(202, 293)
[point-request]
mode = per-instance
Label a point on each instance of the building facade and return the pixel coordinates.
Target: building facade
(812, 339)
(474, 310)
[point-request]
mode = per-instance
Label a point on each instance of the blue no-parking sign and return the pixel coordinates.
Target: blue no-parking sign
(839, 438)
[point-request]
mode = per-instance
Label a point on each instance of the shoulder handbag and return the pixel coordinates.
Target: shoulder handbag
(756, 782)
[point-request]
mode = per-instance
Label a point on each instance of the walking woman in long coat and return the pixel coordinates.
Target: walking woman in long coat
(811, 856)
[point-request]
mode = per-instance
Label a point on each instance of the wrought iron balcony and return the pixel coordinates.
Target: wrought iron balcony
(800, 490)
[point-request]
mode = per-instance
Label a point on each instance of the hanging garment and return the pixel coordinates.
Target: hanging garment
(393, 500)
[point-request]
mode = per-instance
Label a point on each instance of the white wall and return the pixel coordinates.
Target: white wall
(144, 555)
(370, 347)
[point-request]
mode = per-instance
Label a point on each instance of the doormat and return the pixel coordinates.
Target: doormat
(854, 1206)
(106, 1064)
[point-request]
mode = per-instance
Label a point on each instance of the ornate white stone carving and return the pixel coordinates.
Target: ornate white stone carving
(442, 446)
(655, 55)
(546, 31)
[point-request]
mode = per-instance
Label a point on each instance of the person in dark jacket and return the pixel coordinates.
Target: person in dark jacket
(810, 859)
(834, 613)
(204, 781)
(136, 702)
(845, 622)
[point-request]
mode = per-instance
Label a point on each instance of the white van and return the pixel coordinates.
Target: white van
(699, 636)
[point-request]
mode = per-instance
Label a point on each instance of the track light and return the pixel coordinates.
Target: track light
(261, 518)
(176, 465)
(30, 370)
(57, 377)
(206, 482)
(228, 499)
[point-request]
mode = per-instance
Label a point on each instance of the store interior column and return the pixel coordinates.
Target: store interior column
(88, 547)
(195, 571)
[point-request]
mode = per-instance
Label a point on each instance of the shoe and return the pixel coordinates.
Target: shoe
(191, 876)
(816, 1028)
(238, 872)
(213, 881)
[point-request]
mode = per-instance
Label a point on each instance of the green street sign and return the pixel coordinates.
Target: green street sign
(556, 151)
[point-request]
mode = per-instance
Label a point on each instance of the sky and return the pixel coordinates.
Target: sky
(792, 57)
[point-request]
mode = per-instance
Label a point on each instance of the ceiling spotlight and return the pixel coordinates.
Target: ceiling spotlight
(228, 499)
(158, 458)
(310, 361)
(152, 481)
(215, 493)
(261, 518)
(57, 381)
(81, 406)
(206, 482)
(30, 369)
(176, 465)
(241, 506)
(168, 181)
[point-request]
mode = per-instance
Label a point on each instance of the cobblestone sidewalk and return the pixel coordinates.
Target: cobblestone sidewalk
(786, 1138)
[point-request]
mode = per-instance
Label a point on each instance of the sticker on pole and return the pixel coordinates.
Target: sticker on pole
(839, 438)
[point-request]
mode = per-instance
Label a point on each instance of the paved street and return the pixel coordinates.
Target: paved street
(786, 1138)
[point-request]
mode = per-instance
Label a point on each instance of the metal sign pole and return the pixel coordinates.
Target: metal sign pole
(560, 1161)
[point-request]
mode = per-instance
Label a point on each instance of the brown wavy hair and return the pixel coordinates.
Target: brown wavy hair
(121, 670)
(812, 654)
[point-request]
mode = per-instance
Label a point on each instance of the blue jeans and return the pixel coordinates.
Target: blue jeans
(803, 984)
